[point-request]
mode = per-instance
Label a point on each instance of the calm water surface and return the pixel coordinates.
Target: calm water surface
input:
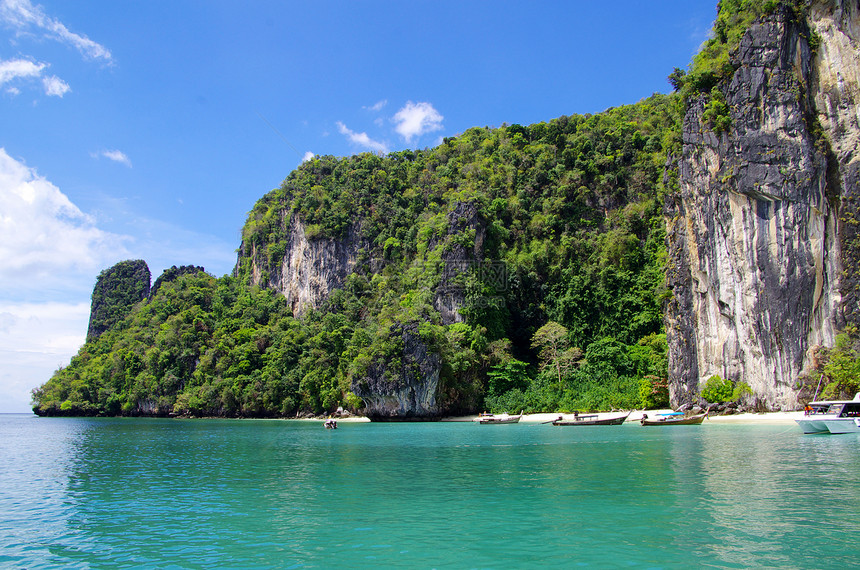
(114, 493)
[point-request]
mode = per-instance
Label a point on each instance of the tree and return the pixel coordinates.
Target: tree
(676, 78)
(553, 344)
(843, 366)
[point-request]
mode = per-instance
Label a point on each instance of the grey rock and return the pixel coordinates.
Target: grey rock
(406, 388)
(757, 233)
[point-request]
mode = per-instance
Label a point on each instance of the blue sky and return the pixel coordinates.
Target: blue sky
(148, 129)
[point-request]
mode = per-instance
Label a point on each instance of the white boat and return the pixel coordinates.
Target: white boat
(831, 416)
(499, 419)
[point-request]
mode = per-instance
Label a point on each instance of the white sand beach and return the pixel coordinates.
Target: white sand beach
(636, 415)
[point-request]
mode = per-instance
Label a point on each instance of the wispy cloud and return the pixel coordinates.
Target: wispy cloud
(22, 16)
(378, 106)
(114, 155)
(416, 119)
(362, 139)
(308, 155)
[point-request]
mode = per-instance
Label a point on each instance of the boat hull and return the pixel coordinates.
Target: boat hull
(812, 426)
(831, 416)
(587, 421)
(687, 421)
(502, 419)
(843, 425)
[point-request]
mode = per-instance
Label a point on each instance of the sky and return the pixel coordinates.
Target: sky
(148, 129)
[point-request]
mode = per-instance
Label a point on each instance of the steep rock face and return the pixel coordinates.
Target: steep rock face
(405, 389)
(836, 89)
(406, 386)
(311, 267)
(754, 232)
(116, 291)
(459, 257)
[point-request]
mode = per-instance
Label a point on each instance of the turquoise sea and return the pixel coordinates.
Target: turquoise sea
(149, 493)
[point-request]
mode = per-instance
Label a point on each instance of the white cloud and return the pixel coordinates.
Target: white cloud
(12, 69)
(21, 15)
(416, 119)
(50, 256)
(24, 69)
(114, 155)
(55, 87)
(378, 106)
(308, 155)
(42, 233)
(362, 139)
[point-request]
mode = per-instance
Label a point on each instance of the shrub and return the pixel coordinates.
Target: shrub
(718, 390)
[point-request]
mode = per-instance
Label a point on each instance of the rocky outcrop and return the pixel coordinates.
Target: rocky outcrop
(463, 251)
(311, 268)
(757, 229)
(116, 291)
(406, 386)
(172, 274)
(835, 87)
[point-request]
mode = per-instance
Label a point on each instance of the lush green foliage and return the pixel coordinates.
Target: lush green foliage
(713, 63)
(717, 389)
(559, 225)
(842, 366)
(117, 290)
(573, 216)
(570, 213)
(172, 273)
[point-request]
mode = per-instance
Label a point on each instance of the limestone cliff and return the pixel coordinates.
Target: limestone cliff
(116, 291)
(835, 86)
(405, 387)
(405, 384)
(761, 227)
(458, 260)
(310, 267)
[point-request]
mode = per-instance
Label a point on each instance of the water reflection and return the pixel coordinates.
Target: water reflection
(764, 495)
(278, 494)
(36, 459)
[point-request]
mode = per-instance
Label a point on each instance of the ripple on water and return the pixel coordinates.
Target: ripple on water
(147, 493)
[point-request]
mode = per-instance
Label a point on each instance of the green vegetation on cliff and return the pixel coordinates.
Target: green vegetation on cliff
(117, 290)
(516, 268)
(568, 216)
(714, 65)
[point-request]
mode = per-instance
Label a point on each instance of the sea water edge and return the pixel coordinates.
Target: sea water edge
(170, 493)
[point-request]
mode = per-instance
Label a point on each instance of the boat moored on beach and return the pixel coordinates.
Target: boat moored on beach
(499, 419)
(831, 416)
(673, 419)
(592, 420)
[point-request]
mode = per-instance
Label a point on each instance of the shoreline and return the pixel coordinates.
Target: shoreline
(767, 418)
(746, 418)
